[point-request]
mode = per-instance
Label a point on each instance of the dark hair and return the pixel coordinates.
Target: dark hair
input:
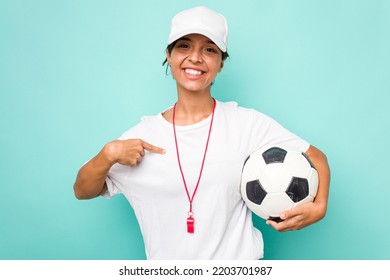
(170, 47)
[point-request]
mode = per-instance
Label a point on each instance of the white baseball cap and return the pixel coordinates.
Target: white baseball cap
(200, 20)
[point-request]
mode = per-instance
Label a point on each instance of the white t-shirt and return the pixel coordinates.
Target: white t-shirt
(155, 189)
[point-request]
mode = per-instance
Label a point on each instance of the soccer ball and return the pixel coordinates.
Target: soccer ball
(276, 179)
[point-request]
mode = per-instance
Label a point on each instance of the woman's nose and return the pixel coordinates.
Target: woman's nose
(195, 56)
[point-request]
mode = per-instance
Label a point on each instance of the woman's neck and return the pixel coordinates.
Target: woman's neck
(191, 109)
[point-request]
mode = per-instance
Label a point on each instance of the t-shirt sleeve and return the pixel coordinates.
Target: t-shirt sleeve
(112, 189)
(265, 131)
(115, 180)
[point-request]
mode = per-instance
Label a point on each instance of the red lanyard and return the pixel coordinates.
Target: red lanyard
(190, 219)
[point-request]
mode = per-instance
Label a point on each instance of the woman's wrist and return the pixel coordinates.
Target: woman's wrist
(109, 153)
(320, 209)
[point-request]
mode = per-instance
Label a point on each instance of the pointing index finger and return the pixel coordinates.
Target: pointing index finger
(152, 148)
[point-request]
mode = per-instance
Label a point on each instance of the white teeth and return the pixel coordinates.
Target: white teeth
(192, 72)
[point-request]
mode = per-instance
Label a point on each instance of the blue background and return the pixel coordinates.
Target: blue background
(76, 74)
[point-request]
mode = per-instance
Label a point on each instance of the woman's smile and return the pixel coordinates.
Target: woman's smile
(193, 72)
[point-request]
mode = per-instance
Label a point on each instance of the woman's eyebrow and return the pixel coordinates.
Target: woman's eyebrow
(188, 39)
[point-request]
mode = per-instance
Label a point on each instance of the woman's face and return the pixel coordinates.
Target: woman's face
(195, 62)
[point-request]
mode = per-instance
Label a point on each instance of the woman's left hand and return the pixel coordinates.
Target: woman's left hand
(299, 217)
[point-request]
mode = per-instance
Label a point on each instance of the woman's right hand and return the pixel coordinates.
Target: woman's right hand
(129, 152)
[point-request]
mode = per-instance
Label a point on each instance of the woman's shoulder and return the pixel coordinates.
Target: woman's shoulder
(233, 106)
(145, 126)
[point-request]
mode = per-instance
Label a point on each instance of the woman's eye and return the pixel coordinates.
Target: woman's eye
(182, 46)
(211, 50)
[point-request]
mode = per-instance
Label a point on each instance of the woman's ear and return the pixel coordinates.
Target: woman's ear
(168, 57)
(222, 64)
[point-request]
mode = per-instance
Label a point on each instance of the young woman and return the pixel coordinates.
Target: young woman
(180, 170)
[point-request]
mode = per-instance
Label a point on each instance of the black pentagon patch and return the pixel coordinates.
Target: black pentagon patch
(274, 155)
(276, 219)
(298, 189)
(255, 192)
